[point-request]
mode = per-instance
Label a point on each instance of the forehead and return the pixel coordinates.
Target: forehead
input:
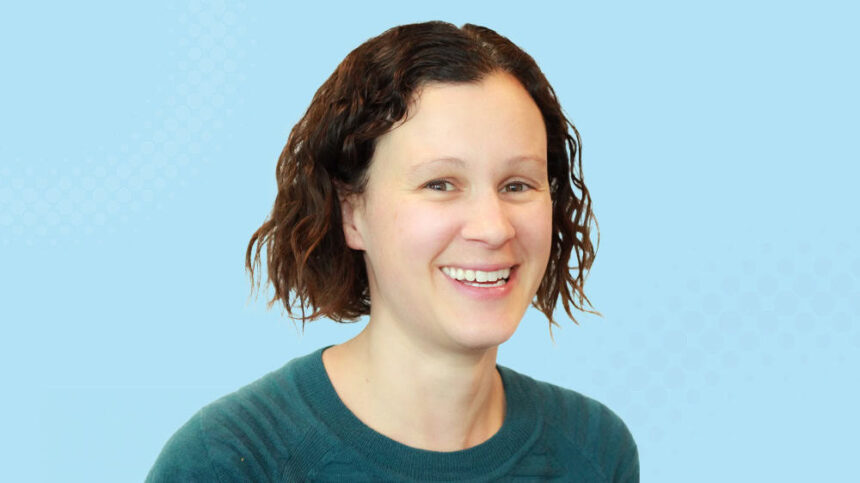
(485, 122)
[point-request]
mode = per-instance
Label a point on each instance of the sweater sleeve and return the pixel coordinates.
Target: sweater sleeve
(627, 470)
(611, 443)
(184, 457)
(600, 446)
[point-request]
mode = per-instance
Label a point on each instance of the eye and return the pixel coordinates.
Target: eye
(516, 187)
(440, 185)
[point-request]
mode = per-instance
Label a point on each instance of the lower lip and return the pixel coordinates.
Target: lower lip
(485, 293)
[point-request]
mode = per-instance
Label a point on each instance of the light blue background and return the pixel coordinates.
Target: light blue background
(138, 155)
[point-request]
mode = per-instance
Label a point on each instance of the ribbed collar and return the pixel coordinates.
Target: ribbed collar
(519, 431)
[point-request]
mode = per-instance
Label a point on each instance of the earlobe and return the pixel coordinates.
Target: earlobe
(348, 212)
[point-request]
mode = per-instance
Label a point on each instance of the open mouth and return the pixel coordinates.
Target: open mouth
(479, 278)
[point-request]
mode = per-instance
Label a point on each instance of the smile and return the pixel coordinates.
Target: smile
(478, 278)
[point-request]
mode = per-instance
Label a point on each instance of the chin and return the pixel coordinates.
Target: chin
(483, 336)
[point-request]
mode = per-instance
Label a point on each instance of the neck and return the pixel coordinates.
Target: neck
(419, 396)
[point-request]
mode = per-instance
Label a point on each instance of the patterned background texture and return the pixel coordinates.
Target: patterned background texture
(138, 155)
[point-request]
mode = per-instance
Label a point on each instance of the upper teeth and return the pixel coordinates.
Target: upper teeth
(476, 275)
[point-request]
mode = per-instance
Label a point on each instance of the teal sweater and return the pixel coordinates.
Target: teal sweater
(291, 425)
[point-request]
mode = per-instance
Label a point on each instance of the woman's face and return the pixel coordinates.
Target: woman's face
(458, 190)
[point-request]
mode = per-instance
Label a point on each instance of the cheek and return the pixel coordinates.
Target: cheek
(534, 230)
(409, 234)
(425, 231)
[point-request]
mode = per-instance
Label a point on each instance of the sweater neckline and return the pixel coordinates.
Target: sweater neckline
(518, 432)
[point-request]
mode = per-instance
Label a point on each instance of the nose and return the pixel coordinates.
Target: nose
(487, 219)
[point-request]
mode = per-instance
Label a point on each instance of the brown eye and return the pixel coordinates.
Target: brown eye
(516, 187)
(439, 185)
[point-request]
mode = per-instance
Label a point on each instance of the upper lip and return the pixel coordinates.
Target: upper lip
(490, 267)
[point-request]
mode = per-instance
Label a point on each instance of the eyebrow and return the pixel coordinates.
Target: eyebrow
(522, 159)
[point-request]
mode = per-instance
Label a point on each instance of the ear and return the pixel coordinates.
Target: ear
(352, 214)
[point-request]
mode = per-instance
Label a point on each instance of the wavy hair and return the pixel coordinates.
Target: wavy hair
(329, 150)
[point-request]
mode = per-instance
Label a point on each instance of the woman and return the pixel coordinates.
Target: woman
(430, 185)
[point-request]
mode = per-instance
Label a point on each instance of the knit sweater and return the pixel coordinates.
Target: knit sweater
(290, 425)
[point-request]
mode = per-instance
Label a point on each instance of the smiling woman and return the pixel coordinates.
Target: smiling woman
(434, 185)
(408, 230)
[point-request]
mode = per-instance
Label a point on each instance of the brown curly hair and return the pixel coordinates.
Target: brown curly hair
(329, 150)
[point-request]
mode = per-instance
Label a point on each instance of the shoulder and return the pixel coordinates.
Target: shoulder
(246, 435)
(185, 456)
(581, 427)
